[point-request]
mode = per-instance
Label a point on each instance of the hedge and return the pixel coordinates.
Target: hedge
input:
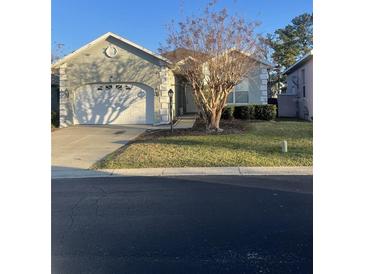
(228, 112)
(258, 112)
(245, 112)
(265, 112)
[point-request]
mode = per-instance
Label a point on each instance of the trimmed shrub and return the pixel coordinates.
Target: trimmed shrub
(265, 112)
(258, 112)
(228, 112)
(274, 101)
(250, 112)
(244, 112)
(54, 119)
(237, 112)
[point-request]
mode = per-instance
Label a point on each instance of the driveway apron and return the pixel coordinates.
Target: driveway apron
(79, 147)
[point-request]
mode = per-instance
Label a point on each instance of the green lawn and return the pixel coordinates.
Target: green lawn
(258, 145)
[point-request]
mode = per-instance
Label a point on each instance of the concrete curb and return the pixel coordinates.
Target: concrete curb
(188, 171)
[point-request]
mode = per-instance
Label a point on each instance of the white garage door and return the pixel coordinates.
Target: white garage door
(114, 104)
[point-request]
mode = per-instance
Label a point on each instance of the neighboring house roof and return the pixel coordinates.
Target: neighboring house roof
(299, 63)
(103, 37)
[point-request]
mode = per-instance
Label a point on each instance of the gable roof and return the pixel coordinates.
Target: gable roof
(257, 59)
(180, 54)
(103, 37)
(300, 62)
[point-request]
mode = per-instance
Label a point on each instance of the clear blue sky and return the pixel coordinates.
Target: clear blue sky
(77, 22)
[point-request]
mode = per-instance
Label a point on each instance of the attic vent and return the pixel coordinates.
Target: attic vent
(111, 51)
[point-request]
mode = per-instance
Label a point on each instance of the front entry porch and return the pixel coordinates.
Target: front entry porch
(184, 100)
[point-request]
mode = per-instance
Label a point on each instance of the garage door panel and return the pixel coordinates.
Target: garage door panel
(114, 104)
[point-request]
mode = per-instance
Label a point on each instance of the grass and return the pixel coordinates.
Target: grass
(256, 143)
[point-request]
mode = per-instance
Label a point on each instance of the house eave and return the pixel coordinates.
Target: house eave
(300, 62)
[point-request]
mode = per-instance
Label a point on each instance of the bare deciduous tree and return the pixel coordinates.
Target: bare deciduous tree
(223, 50)
(57, 52)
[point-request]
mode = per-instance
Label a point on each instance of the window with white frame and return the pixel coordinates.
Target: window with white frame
(239, 95)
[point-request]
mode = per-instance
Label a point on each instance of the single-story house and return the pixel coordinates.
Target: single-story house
(297, 101)
(115, 81)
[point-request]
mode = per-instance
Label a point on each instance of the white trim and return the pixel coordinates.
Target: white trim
(103, 37)
(239, 104)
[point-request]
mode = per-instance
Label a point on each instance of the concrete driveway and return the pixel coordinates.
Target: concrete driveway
(78, 147)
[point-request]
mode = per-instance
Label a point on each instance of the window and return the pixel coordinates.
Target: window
(303, 91)
(230, 98)
(243, 85)
(239, 95)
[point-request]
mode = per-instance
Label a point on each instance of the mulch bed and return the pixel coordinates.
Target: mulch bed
(229, 127)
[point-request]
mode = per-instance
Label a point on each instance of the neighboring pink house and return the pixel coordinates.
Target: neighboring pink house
(297, 101)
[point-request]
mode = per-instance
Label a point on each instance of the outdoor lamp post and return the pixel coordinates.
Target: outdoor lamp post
(171, 94)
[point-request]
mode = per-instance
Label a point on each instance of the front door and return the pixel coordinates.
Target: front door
(189, 99)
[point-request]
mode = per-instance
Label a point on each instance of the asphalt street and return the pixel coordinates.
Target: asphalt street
(190, 224)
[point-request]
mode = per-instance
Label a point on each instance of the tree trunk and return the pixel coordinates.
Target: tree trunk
(213, 120)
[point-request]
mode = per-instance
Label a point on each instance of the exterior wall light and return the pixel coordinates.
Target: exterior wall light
(65, 93)
(171, 94)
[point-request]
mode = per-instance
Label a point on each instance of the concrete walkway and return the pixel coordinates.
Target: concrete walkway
(185, 121)
(188, 171)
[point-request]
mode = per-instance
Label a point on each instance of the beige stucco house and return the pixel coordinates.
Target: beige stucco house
(115, 81)
(297, 101)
